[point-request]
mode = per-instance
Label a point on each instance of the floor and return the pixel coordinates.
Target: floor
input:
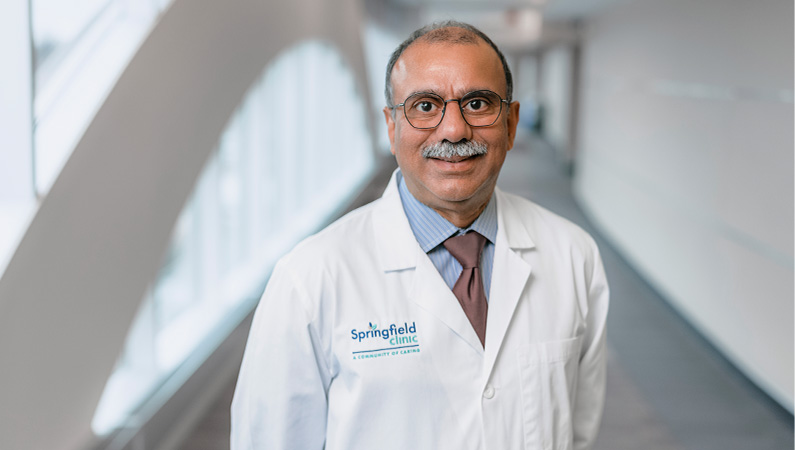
(667, 388)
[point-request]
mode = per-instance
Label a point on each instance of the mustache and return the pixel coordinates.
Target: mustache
(447, 149)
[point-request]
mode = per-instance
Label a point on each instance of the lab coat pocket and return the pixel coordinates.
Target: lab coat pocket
(548, 379)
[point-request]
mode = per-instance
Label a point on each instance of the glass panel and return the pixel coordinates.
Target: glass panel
(278, 174)
(17, 199)
(57, 25)
(80, 47)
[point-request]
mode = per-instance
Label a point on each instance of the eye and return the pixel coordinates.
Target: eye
(424, 106)
(480, 103)
(476, 104)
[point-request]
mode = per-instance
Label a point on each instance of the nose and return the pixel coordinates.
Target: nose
(453, 126)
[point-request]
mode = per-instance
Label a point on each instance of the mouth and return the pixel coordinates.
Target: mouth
(455, 165)
(456, 159)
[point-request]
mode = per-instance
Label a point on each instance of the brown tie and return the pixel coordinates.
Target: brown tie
(468, 289)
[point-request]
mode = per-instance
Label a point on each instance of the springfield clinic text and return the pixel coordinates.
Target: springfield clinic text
(385, 333)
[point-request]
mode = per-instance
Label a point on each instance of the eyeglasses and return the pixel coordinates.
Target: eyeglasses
(425, 110)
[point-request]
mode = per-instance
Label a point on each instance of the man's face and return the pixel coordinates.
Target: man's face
(450, 70)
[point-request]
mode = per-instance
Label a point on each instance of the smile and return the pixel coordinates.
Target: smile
(455, 159)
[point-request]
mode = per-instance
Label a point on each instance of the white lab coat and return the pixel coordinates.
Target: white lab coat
(309, 380)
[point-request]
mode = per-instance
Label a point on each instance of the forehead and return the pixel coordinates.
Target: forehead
(447, 69)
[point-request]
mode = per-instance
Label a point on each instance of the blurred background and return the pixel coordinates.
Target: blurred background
(158, 156)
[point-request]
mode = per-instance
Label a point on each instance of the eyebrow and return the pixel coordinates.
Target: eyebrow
(465, 92)
(425, 91)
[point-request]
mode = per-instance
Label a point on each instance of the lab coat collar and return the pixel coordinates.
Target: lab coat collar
(396, 245)
(398, 250)
(511, 225)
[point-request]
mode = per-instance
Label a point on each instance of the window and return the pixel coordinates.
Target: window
(296, 150)
(59, 61)
(17, 197)
(80, 47)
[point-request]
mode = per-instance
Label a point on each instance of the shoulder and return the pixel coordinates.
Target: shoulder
(542, 225)
(554, 244)
(344, 238)
(313, 271)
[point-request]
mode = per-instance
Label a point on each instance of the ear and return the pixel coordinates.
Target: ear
(390, 128)
(512, 122)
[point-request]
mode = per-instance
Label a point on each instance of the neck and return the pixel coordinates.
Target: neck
(462, 217)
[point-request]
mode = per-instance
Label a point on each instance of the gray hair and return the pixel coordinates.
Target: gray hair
(437, 32)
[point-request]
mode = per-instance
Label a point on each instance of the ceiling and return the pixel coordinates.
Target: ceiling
(517, 24)
(553, 9)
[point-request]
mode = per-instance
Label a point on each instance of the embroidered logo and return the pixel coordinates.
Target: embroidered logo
(394, 340)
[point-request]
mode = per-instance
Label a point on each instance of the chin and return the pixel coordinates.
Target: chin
(455, 194)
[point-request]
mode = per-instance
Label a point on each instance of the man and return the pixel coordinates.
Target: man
(381, 333)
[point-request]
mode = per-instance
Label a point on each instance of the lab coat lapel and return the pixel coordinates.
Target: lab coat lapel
(395, 243)
(398, 250)
(510, 274)
(431, 293)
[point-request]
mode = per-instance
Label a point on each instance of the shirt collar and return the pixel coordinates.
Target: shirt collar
(431, 229)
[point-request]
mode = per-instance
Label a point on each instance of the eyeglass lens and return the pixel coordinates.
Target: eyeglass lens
(479, 108)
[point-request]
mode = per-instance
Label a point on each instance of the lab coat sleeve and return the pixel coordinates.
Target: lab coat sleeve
(590, 397)
(280, 400)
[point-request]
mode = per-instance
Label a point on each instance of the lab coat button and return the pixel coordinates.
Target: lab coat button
(488, 392)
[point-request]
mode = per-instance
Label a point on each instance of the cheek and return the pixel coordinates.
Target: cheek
(495, 140)
(408, 143)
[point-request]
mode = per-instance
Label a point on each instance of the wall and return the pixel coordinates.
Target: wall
(686, 164)
(557, 72)
(72, 287)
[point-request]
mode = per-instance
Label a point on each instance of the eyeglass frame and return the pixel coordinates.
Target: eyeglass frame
(444, 109)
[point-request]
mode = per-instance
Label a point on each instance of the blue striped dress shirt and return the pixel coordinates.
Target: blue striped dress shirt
(431, 229)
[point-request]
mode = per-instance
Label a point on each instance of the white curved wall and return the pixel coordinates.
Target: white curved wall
(72, 288)
(686, 163)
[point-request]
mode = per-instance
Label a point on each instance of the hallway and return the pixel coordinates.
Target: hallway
(159, 158)
(667, 388)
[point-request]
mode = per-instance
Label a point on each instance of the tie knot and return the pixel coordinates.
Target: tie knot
(466, 248)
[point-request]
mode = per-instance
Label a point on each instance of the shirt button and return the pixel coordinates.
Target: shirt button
(488, 392)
